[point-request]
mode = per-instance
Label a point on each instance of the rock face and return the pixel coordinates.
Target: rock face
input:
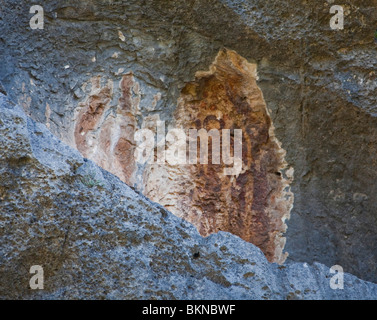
(110, 67)
(252, 203)
(96, 238)
(107, 136)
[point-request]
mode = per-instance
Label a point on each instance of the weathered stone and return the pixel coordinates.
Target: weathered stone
(105, 134)
(318, 84)
(2, 90)
(103, 240)
(253, 203)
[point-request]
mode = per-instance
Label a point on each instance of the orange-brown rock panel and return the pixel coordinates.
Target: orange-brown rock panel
(104, 133)
(253, 204)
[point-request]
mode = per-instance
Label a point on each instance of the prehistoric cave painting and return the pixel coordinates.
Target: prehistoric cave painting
(104, 133)
(254, 204)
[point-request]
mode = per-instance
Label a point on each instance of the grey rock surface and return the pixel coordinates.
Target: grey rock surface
(96, 238)
(320, 85)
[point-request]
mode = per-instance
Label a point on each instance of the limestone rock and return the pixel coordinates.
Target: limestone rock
(252, 203)
(318, 84)
(96, 238)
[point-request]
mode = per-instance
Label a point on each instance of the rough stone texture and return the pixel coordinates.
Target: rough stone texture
(320, 85)
(106, 135)
(102, 240)
(253, 203)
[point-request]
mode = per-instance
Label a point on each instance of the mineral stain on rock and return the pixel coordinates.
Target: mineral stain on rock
(112, 243)
(252, 205)
(105, 133)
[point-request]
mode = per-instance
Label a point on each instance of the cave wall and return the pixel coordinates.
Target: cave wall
(251, 201)
(318, 84)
